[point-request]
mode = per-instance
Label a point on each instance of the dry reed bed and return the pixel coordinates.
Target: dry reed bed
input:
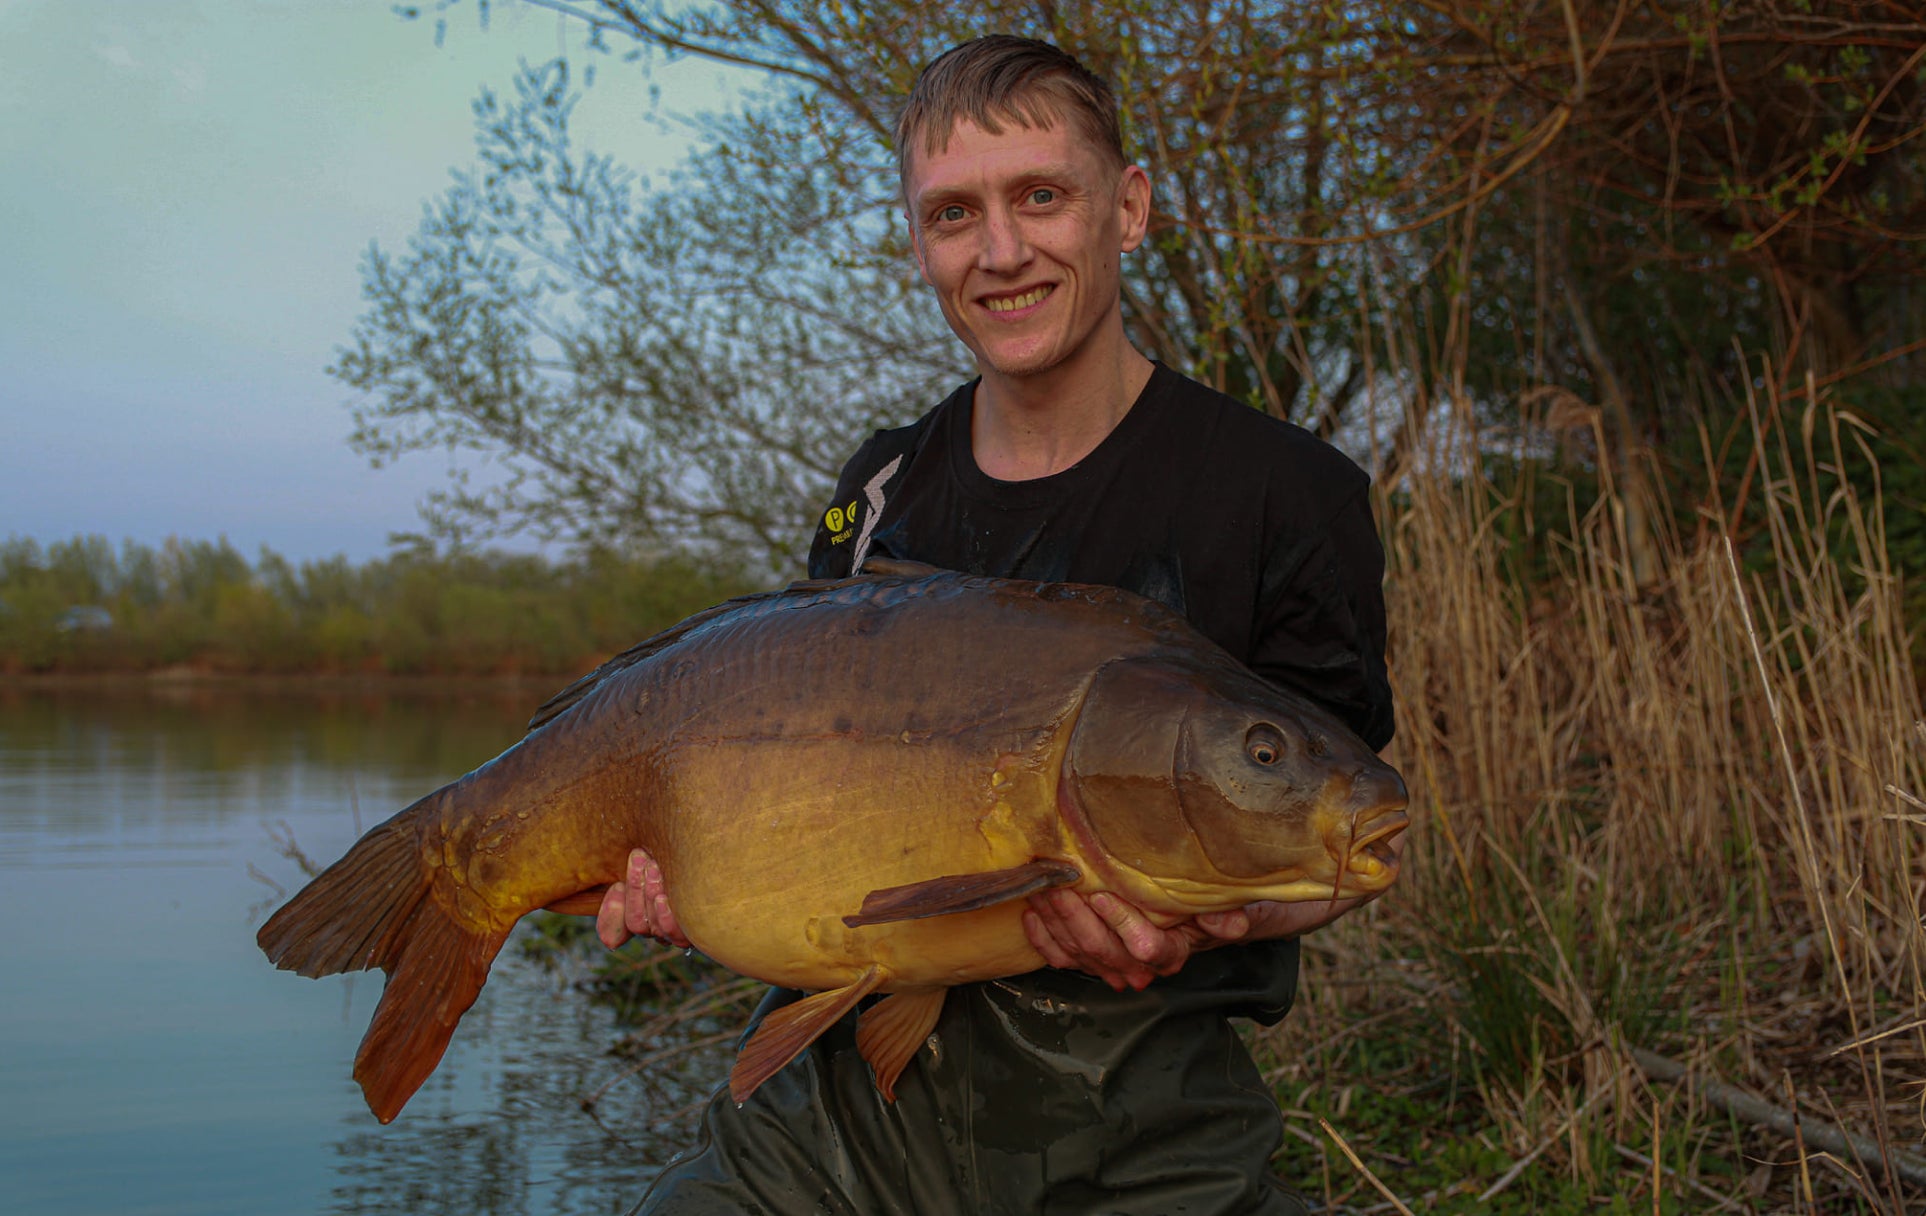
(1679, 818)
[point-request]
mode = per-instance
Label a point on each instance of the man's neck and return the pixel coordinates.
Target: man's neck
(1025, 427)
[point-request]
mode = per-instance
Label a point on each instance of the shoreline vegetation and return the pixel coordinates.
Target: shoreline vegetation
(1667, 823)
(86, 610)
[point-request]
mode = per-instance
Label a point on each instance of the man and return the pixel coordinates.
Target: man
(1110, 1082)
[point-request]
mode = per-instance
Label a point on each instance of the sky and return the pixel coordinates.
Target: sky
(187, 188)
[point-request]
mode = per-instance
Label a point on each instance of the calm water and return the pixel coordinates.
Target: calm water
(151, 1061)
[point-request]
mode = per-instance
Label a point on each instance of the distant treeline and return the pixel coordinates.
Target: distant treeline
(85, 605)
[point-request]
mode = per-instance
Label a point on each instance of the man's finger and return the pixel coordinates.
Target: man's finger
(1161, 951)
(1063, 952)
(1085, 943)
(611, 927)
(1102, 952)
(656, 907)
(1089, 933)
(636, 902)
(1230, 926)
(1045, 942)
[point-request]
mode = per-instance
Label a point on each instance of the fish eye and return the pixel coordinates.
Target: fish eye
(1263, 744)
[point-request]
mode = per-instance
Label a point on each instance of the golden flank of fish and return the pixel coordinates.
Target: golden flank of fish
(850, 786)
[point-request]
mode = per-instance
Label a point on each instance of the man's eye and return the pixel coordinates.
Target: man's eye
(950, 214)
(1043, 196)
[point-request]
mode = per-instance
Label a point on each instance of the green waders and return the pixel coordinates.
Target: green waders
(1046, 1095)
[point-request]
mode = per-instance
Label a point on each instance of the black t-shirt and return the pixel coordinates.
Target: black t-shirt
(1255, 530)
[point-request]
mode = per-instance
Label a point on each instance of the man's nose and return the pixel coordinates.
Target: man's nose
(1005, 248)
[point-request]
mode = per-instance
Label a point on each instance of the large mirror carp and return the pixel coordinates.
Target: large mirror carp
(850, 786)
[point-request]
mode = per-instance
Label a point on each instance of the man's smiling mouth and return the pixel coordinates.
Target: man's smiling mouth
(1012, 303)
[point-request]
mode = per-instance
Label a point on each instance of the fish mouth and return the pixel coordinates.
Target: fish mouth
(1370, 860)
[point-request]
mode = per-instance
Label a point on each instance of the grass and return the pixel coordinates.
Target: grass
(1676, 818)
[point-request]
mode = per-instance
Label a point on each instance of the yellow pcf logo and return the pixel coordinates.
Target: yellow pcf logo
(841, 522)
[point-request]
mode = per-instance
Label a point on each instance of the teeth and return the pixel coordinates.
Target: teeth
(1015, 302)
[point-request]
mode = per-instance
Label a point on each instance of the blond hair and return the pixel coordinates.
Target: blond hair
(1004, 79)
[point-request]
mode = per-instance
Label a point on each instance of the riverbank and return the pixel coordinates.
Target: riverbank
(199, 609)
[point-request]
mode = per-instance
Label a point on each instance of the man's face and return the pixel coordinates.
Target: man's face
(1021, 234)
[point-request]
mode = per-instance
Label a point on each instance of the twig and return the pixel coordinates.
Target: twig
(284, 843)
(1811, 851)
(1362, 1168)
(258, 875)
(1644, 1162)
(1799, 1144)
(1875, 1037)
(1816, 1132)
(1658, 1171)
(656, 1057)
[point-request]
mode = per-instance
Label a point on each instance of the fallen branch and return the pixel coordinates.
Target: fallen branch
(1816, 1132)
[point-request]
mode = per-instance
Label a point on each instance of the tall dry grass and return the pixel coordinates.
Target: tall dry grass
(1684, 819)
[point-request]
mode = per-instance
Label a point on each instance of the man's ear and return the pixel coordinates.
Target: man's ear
(1133, 206)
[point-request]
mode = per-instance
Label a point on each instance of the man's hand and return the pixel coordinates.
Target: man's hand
(1113, 940)
(637, 907)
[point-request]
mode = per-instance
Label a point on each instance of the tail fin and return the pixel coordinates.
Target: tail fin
(373, 909)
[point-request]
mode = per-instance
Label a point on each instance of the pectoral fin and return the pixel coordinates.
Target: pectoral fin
(893, 1028)
(784, 1033)
(961, 892)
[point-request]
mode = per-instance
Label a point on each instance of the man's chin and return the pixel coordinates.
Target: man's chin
(1020, 363)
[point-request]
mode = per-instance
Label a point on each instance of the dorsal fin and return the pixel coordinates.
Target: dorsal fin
(569, 697)
(566, 699)
(562, 701)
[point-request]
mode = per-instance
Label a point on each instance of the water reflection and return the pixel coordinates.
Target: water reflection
(224, 737)
(156, 1063)
(505, 1131)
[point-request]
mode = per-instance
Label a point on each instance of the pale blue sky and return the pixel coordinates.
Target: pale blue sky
(186, 188)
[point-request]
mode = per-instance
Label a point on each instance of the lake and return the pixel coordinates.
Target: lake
(152, 1061)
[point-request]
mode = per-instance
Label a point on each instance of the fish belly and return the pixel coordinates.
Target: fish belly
(770, 849)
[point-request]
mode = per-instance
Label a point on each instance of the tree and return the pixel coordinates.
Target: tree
(1372, 206)
(680, 367)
